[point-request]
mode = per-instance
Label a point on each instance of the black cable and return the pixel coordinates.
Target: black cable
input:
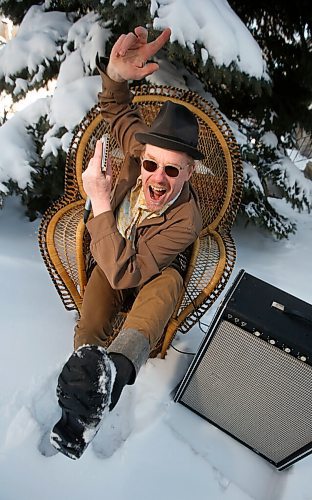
(200, 323)
(183, 352)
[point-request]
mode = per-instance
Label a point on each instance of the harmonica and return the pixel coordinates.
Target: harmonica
(105, 148)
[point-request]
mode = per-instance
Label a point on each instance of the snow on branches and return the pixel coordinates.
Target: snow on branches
(48, 83)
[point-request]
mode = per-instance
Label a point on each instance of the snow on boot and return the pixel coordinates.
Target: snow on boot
(84, 393)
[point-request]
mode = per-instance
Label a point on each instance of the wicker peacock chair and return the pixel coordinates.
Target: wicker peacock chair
(64, 241)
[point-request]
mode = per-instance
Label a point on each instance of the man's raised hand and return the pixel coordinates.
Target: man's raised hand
(130, 54)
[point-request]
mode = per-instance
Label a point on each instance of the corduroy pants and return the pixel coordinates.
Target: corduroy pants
(152, 308)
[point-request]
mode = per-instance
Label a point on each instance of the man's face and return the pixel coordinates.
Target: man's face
(158, 187)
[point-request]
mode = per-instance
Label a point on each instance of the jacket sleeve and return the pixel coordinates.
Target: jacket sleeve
(117, 109)
(129, 267)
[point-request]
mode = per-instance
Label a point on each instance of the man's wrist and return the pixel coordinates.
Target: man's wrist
(101, 207)
(113, 75)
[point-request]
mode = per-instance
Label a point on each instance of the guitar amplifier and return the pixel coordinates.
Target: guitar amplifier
(252, 375)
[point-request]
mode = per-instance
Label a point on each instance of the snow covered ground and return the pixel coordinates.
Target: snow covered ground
(149, 447)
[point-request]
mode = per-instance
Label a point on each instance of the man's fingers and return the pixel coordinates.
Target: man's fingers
(95, 162)
(139, 39)
(148, 69)
(117, 45)
(98, 151)
(108, 167)
(141, 33)
(130, 41)
(157, 44)
(131, 52)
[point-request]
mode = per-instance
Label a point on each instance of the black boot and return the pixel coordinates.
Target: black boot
(84, 393)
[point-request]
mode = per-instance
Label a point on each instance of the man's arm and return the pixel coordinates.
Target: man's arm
(125, 120)
(128, 61)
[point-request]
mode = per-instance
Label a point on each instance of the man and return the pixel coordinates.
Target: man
(137, 231)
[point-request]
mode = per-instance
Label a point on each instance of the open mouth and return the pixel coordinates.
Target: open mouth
(156, 193)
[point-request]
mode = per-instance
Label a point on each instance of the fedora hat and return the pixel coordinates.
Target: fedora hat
(176, 128)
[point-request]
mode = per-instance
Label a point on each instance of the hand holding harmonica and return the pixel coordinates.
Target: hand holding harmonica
(97, 180)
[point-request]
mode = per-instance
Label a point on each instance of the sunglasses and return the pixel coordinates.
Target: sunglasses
(152, 166)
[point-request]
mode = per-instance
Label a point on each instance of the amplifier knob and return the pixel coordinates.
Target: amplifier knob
(303, 358)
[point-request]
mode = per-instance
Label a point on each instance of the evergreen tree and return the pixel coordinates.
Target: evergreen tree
(47, 177)
(283, 31)
(15, 10)
(267, 111)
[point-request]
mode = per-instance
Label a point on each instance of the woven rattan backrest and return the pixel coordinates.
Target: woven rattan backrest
(216, 177)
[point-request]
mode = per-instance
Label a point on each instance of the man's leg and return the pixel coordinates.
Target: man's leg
(146, 321)
(87, 379)
(100, 304)
(78, 384)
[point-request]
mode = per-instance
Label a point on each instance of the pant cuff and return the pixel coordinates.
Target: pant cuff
(132, 344)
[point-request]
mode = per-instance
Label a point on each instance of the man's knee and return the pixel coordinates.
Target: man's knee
(167, 286)
(154, 305)
(174, 279)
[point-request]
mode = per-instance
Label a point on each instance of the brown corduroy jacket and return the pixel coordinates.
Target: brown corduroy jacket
(158, 240)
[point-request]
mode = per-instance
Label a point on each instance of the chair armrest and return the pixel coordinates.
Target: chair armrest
(63, 253)
(211, 264)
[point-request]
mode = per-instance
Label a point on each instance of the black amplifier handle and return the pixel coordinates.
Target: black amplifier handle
(292, 312)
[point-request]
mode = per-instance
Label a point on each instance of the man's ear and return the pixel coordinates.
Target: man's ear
(191, 168)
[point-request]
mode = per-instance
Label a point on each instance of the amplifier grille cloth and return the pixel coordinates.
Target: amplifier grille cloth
(255, 391)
